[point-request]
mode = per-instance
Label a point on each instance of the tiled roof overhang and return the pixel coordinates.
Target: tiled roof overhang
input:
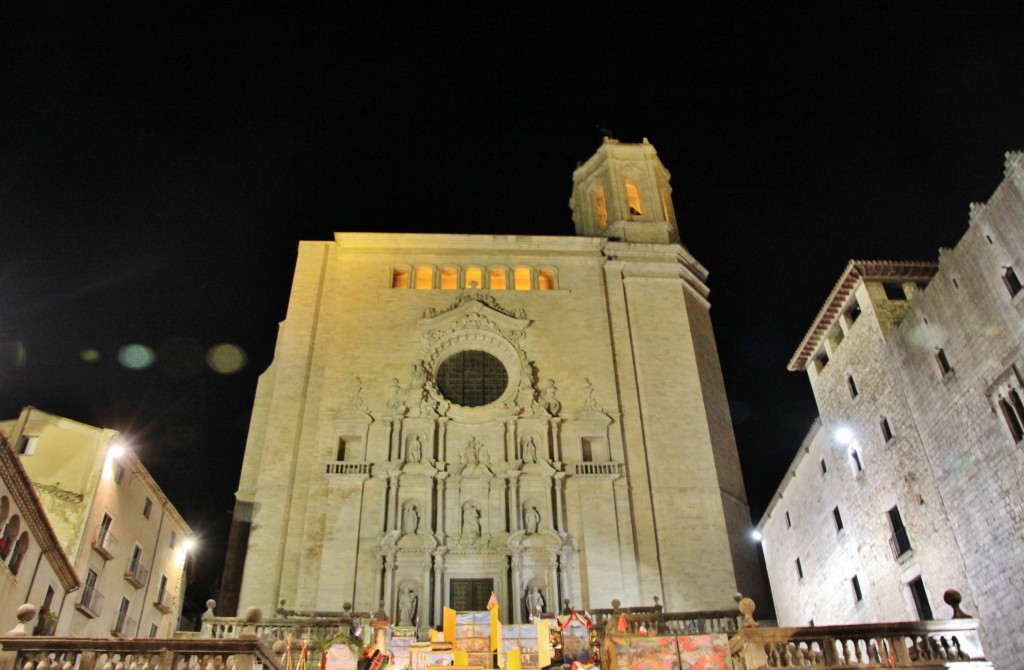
(855, 272)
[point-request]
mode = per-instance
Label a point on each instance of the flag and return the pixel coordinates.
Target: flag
(623, 626)
(492, 602)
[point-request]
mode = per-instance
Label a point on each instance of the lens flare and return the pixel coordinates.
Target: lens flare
(136, 356)
(225, 358)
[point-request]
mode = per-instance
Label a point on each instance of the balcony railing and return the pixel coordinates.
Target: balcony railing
(124, 626)
(91, 602)
(156, 654)
(344, 468)
(163, 602)
(137, 574)
(899, 542)
(105, 544)
(598, 469)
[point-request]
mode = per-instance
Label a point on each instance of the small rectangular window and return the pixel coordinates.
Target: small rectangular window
(474, 278)
(174, 540)
(838, 519)
(399, 278)
(341, 449)
(820, 361)
(920, 595)
(633, 198)
(894, 291)
(942, 362)
(789, 522)
(424, 277)
(153, 630)
(886, 429)
(449, 278)
(853, 313)
(27, 445)
(824, 468)
(855, 455)
(856, 589)
(852, 386)
(1013, 414)
(147, 508)
(118, 473)
(899, 542)
(545, 280)
(799, 569)
(1011, 281)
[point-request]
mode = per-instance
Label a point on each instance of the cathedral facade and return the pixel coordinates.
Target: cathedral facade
(541, 417)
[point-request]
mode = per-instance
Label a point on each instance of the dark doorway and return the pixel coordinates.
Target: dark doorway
(469, 595)
(924, 610)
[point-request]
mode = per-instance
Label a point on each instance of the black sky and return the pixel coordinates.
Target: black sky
(158, 167)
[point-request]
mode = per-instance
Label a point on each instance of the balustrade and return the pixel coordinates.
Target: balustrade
(53, 653)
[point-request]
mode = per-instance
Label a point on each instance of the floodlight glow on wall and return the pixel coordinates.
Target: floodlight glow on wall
(755, 535)
(843, 435)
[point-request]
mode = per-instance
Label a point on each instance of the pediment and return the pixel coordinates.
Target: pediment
(471, 312)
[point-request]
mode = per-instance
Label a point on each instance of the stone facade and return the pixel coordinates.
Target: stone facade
(595, 460)
(124, 538)
(921, 364)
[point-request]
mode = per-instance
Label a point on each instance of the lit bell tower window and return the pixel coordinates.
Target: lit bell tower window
(600, 208)
(474, 278)
(424, 277)
(546, 280)
(499, 279)
(522, 279)
(633, 197)
(449, 278)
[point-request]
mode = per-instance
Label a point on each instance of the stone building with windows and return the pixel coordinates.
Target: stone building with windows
(35, 568)
(451, 415)
(124, 538)
(913, 480)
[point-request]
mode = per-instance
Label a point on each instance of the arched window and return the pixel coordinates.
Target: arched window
(7, 537)
(424, 277)
(600, 208)
(400, 277)
(546, 280)
(521, 277)
(633, 197)
(499, 279)
(18, 553)
(474, 278)
(5, 509)
(449, 278)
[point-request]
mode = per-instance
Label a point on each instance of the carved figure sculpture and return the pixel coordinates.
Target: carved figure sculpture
(530, 450)
(534, 602)
(532, 520)
(410, 519)
(407, 608)
(415, 451)
(471, 521)
(394, 394)
(548, 400)
(590, 404)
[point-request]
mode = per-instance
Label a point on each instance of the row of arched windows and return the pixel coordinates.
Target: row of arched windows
(13, 540)
(451, 277)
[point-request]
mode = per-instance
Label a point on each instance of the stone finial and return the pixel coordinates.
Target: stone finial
(380, 614)
(747, 607)
(279, 648)
(657, 605)
(953, 599)
(737, 597)
(210, 605)
(26, 613)
(616, 604)
(253, 615)
(346, 607)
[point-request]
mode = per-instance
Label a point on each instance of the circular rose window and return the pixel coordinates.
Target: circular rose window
(472, 378)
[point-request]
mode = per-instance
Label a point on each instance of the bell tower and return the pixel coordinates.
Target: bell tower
(622, 192)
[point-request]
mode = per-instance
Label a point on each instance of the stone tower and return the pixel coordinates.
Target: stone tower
(544, 417)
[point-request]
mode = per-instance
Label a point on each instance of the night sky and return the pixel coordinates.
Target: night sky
(158, 168)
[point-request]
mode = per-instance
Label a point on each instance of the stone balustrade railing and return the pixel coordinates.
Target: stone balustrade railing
(71, 653)
(910, 644)
(654, 621)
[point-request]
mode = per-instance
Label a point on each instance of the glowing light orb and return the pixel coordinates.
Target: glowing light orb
(136, 356)
(90, 355)
(116, 451)
(225, 358)
(844, 435)
(756, 535)
(13, 352)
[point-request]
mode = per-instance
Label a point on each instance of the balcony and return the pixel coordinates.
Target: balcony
(124, 626)
(163, 602)
(137, 575)
(598, 469)
(899, 543)
(91, 602)
(105, 544)
(347, 468)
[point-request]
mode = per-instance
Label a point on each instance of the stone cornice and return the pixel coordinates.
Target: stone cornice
(855, 272)
(18, 483)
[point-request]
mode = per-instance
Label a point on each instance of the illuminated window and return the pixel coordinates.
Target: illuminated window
(498, 279)
(600, 208)
(399, 278)
(424, 277)
(522, 279)
(450, 278)
(474, 278)
(633, 197)
(546, 280)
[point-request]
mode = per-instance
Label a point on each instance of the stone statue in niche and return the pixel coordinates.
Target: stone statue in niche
(394, 396)
(417, 393)
(531, 520)
(534, 602)
(410, 519)
(530, 450)
(407, 608)
(590, 404)
(483, 456)
(414, 450)
(470, 454)
(548, 400)
(471, 521)
(355, 398)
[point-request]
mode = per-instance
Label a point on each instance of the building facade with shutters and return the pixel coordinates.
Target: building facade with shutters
(121, 534)
(912, 482)
(541, 417)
